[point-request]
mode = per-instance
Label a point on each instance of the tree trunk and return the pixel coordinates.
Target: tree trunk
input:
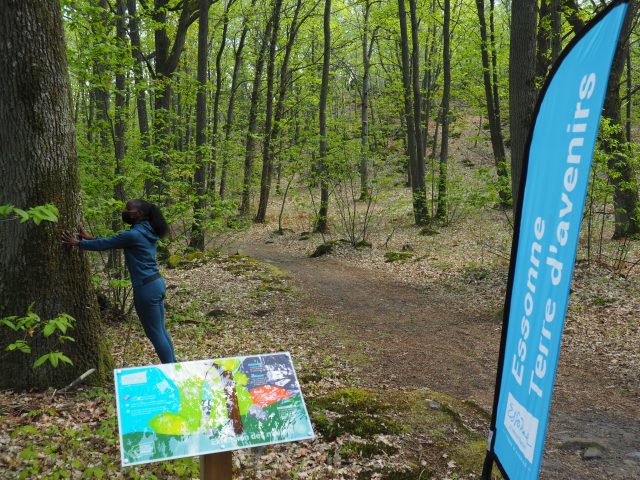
(216, 101)
(228, 126)
(200, 177)
(321, 223)
(364, 108)
(253, 122)
(141, 96)
(119, 137)
(431, 73)
(543, 41)
(441, 212)
(100, 26)
(495, 128)
(166, 63)
(417, 182)
(621, 171)
(37, 145)
(522, 84)
(417, 95)
(267, 160)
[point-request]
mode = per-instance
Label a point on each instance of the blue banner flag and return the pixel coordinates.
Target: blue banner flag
(554, 185)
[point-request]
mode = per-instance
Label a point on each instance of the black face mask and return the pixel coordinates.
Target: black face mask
(128, 218)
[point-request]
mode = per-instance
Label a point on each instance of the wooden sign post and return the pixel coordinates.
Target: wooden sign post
(216, 466)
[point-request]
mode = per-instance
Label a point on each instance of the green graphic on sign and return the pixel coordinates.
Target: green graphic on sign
(195, 408)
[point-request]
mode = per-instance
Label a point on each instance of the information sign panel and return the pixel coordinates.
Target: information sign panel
(195, 408)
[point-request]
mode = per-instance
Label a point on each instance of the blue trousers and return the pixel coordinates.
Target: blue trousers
(149, 302)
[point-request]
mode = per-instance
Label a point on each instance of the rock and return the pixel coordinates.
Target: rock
(633, 457)
(434, 405)
(397, 256)
(323, 249)
(269, 241)
(216, 313)
(592, 453)
(580, 444)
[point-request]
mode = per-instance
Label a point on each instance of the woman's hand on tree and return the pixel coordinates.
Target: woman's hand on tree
(70, 239)
(83, 233)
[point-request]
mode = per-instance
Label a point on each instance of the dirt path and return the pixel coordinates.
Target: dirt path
(411, 337)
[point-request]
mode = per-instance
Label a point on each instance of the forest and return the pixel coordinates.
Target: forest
(341, 180)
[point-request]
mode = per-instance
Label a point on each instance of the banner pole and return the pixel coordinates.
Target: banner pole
(216, 466)
(487, 467)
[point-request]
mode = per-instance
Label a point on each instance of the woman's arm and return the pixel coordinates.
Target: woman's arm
(121, 240)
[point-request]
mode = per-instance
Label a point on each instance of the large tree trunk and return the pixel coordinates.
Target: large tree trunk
(522, 84)
(267, 160)
(622, 174)
(39, 166)
(200, 178)
(495, 128)
(321, 223)
(417, 182)
(441, 212)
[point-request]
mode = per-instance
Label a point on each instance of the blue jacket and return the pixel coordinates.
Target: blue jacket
(139, 244)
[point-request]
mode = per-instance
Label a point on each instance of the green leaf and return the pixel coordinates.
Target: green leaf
(6, 210)
(41, 360)
(49, 328)
(47, 212)
(24, 216)
(19, 345)
(63, 358)
(7, 322)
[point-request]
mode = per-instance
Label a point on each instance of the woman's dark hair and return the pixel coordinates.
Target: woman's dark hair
(154, 215)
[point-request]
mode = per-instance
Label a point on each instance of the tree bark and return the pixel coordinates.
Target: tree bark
(321, 223)
(253, 122)
(522, 84)
(442, 210)
(167, 58)
(119, 133)
(495, 129)
(200, 177)
(228, 126)
(417, 95)
(39, 165)
(417, 182)
(267, 159)
(367, 49)
(141, 96)
(216, 100)
(621, 171)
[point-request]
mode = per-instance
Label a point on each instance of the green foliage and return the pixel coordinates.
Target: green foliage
(31, 325)
(37, 214)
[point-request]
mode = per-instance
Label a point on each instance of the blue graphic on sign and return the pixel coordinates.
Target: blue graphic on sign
(560, 156)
